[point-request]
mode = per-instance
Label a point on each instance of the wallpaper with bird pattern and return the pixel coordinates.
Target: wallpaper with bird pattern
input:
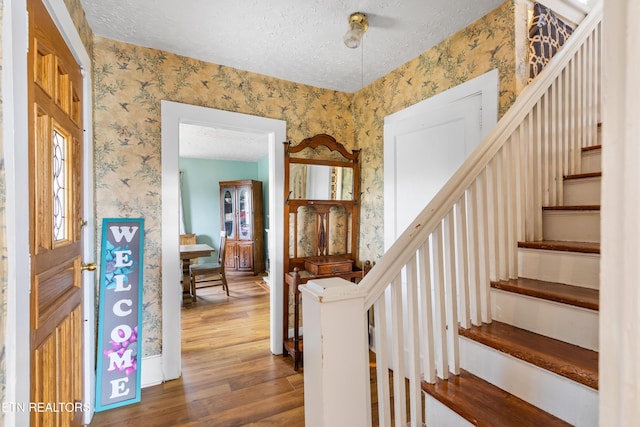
(486, 44)
(130, 81)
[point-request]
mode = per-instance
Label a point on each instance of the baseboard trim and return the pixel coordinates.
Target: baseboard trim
(151, 373)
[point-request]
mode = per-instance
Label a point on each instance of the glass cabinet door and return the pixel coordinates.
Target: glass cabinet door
(228, 212)
(245, 220)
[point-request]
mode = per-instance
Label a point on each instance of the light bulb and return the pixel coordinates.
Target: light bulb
(357, 27)
(354, 35)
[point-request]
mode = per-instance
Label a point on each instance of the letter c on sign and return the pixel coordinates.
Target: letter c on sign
(117, 307)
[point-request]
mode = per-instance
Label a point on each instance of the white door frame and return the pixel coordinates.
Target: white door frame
(16, 155)
(487, 85)
(173, 114)
(619, 295)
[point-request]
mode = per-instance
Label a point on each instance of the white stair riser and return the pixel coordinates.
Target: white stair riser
(575, 325)
(438, 414)
(591, 161)
(571, 226)
(584, 191)
(571, 268)
(566, 399)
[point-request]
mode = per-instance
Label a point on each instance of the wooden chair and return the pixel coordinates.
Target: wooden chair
(187, 239)
(211, 273)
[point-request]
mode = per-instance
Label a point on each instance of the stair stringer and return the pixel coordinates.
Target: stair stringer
(568, 400)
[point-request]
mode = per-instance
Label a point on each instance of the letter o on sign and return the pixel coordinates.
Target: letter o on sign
(115, 335)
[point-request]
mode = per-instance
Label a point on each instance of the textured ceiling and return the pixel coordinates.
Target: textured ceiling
(295, 40)
(209, 143)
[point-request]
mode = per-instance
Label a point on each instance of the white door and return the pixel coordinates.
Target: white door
(425, 144)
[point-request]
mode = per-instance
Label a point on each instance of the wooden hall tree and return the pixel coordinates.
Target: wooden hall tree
(321, 217)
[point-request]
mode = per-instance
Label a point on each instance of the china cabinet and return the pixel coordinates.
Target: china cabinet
(241, 219)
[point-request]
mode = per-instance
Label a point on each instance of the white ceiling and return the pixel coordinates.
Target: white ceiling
(209, 143)
(295, 40)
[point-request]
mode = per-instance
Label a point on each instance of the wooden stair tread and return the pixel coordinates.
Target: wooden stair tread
(592, 148)
(553, 245)
(567, 360)
(566, 294)
(584, 175)
(572, 208)
(483, 404)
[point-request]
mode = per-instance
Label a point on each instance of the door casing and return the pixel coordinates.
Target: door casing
(173, 114)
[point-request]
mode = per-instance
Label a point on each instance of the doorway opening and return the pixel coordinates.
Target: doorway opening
(173, 114)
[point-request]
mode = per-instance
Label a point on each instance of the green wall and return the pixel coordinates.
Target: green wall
(201, 193)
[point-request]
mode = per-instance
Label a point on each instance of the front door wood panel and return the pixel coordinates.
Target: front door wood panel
(55, 192)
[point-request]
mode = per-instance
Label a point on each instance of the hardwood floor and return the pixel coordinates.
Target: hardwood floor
(229, 376)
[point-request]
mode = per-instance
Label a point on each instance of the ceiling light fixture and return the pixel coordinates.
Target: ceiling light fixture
(358, 25)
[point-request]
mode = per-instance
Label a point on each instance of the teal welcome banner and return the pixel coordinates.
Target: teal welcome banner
(120, 317)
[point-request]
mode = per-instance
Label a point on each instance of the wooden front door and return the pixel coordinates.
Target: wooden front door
(55, 191)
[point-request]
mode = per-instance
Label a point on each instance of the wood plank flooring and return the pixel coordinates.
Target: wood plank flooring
(229, 376)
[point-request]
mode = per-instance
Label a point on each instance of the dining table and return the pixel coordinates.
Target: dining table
(189, 253)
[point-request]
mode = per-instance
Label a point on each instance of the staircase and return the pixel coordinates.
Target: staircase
(485, 310)
(545, 328)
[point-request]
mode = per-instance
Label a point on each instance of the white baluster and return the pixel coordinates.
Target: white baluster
(426, 335)
(413, 345)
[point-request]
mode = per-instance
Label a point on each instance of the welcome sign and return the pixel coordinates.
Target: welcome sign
(120, 317)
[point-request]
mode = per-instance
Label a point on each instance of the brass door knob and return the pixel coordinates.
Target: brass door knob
(89, 267)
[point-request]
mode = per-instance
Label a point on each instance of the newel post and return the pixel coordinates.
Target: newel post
(336, 359)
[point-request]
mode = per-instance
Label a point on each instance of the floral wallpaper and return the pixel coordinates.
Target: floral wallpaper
(3, 241)
(129, 83)
(484, 45)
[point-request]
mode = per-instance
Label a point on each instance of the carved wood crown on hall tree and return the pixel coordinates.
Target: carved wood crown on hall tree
(325, 239)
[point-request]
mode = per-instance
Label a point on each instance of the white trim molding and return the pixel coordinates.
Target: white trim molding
(620, 247)
(16, 160)
(173, 114)
(151, 373)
